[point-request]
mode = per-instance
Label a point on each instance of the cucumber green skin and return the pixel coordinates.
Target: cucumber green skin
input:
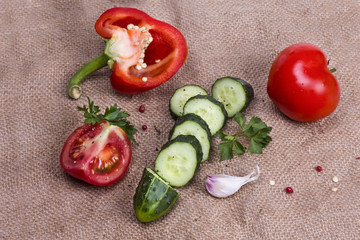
(249, 91)
(153, 197)
(194, 118)
(174, 115)
(187, 139)
(213, 100)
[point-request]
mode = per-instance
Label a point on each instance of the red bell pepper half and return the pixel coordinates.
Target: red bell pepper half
(142, 52)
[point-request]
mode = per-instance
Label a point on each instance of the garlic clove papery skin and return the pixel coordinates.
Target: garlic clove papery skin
(222, 185)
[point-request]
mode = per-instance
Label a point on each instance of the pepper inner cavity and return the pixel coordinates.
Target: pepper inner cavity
(128, 46)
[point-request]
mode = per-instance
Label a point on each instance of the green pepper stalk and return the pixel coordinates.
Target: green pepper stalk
(73, 87)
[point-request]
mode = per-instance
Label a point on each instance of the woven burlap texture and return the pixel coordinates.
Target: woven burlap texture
(44, 42)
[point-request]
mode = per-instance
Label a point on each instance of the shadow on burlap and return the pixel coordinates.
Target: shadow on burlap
(44, 42)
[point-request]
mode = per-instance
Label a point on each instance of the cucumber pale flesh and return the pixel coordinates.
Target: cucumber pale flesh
(181, 95)
(178, 160)
(234, 93)
(191, 124)
(209, 109)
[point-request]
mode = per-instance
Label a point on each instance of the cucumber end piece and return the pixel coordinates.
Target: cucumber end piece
(153, 198)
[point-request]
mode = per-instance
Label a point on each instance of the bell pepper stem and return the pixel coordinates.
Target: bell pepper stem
(73, 87)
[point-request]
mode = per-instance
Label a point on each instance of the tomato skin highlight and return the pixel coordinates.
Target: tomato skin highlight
(90, 144)
(301, 85)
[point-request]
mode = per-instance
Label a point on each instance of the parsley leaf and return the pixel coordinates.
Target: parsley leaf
(238, 148)
(256, 130)
(90, 113)
(114, 115)
(255, 125)
(240, 119)
(226, 149)
(221, 135)
(255, 147)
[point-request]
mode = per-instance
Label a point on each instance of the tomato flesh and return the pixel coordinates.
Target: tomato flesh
(106, 160)
(301, 85)
(97, 154)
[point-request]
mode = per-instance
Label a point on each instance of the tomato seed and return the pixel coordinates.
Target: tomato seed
(142, 108)
(289, 190)
(144, 127)
(319, 168)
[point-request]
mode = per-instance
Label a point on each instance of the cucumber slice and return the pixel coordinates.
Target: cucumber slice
(181, 95)
(153, 198)
(234, 93)
(209, 109)
(178, 160)
(191, 124)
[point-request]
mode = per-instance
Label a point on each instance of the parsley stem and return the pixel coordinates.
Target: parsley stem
(73, 87)
(239, 134)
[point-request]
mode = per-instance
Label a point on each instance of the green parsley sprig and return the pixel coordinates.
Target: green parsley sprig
(114, 115)
(256, 130)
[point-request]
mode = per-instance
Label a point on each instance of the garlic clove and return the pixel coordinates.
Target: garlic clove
(222, 185)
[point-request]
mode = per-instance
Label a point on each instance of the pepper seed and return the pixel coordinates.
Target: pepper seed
(335, 179)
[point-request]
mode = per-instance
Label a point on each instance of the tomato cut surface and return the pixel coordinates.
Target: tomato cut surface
(97, 154)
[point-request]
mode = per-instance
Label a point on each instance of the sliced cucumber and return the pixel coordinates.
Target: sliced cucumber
(191, 124)
(153, 198)
(209, 109)
(234, 93)
(178, 160)
(181, 95)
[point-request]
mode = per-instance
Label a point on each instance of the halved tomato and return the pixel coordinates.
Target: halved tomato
(98, 154)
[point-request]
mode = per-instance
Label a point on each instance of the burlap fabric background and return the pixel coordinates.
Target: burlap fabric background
(44, 42)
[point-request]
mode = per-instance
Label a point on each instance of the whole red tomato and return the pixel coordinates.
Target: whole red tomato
(98, 154)
(301, 85)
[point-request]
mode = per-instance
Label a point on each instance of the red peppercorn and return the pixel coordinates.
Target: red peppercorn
(289, 190)
(319, 168)
(144, 127)
(142, 108)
